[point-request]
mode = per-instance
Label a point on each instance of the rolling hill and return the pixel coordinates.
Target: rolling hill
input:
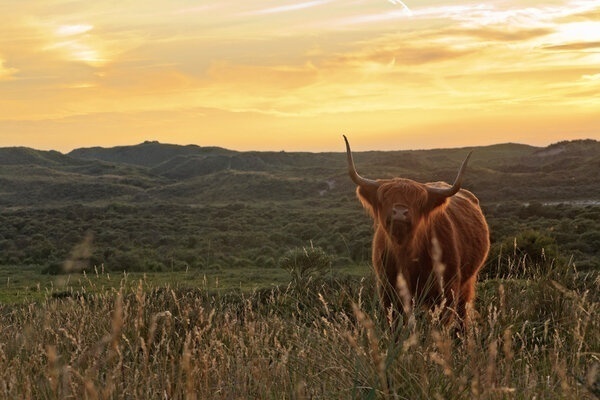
(147, 154)
(153, 171)
(27, 156)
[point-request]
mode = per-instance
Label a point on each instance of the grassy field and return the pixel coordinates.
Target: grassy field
(211, 306)
(181, 335)
(25, 284)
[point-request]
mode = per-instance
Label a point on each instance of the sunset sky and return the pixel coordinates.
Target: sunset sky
(295, 75)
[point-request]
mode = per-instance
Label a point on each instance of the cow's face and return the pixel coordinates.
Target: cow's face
(399, 206)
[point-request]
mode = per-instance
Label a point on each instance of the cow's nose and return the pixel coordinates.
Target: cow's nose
(400, 213)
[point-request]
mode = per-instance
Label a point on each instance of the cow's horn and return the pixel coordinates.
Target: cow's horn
(356, 178)
(451, 191)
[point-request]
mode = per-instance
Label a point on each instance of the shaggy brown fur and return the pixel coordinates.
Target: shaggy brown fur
(430, 241)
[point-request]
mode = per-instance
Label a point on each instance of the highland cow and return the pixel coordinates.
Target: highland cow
(429, 244)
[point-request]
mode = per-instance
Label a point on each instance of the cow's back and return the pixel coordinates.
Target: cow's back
(470, 230)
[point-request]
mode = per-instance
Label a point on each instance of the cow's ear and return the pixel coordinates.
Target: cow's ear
(368, 197)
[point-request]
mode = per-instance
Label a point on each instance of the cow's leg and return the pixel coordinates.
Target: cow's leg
(390, 301)
(467, 294)
(386, 268)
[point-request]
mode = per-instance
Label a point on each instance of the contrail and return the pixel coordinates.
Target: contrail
(402, 4)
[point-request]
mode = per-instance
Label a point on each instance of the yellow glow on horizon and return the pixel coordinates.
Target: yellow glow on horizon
(291, 75)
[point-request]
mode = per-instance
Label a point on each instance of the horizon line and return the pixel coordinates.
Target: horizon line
(342, 150)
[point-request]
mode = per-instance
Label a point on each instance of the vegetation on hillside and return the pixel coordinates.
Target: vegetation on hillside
(163, 207)
(172, 237)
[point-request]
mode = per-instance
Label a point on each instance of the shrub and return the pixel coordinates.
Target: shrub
(522, 255)
(305, 264)
(536, 246)
(54, 268)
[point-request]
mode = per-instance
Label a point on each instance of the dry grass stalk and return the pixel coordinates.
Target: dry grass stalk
(141, 342)
(373, 344)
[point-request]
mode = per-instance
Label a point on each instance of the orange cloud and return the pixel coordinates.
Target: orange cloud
(6, 73)
(574, 46)
(499, 34)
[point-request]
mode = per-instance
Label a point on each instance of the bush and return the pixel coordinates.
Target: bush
(305, 264)
(537, 247)
(522, 255)
(54, 268)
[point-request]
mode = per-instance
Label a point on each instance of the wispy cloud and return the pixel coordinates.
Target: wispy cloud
(75, 43)
(72, 30)
(364, 19)
(195, 9)
(404, 6)
(400, 53)
(288, 8)
(6, 72)
(575, 46)
(594, 77)
(582, 10)
(501, 34)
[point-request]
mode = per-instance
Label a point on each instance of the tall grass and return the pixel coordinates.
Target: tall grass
(534, 337)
